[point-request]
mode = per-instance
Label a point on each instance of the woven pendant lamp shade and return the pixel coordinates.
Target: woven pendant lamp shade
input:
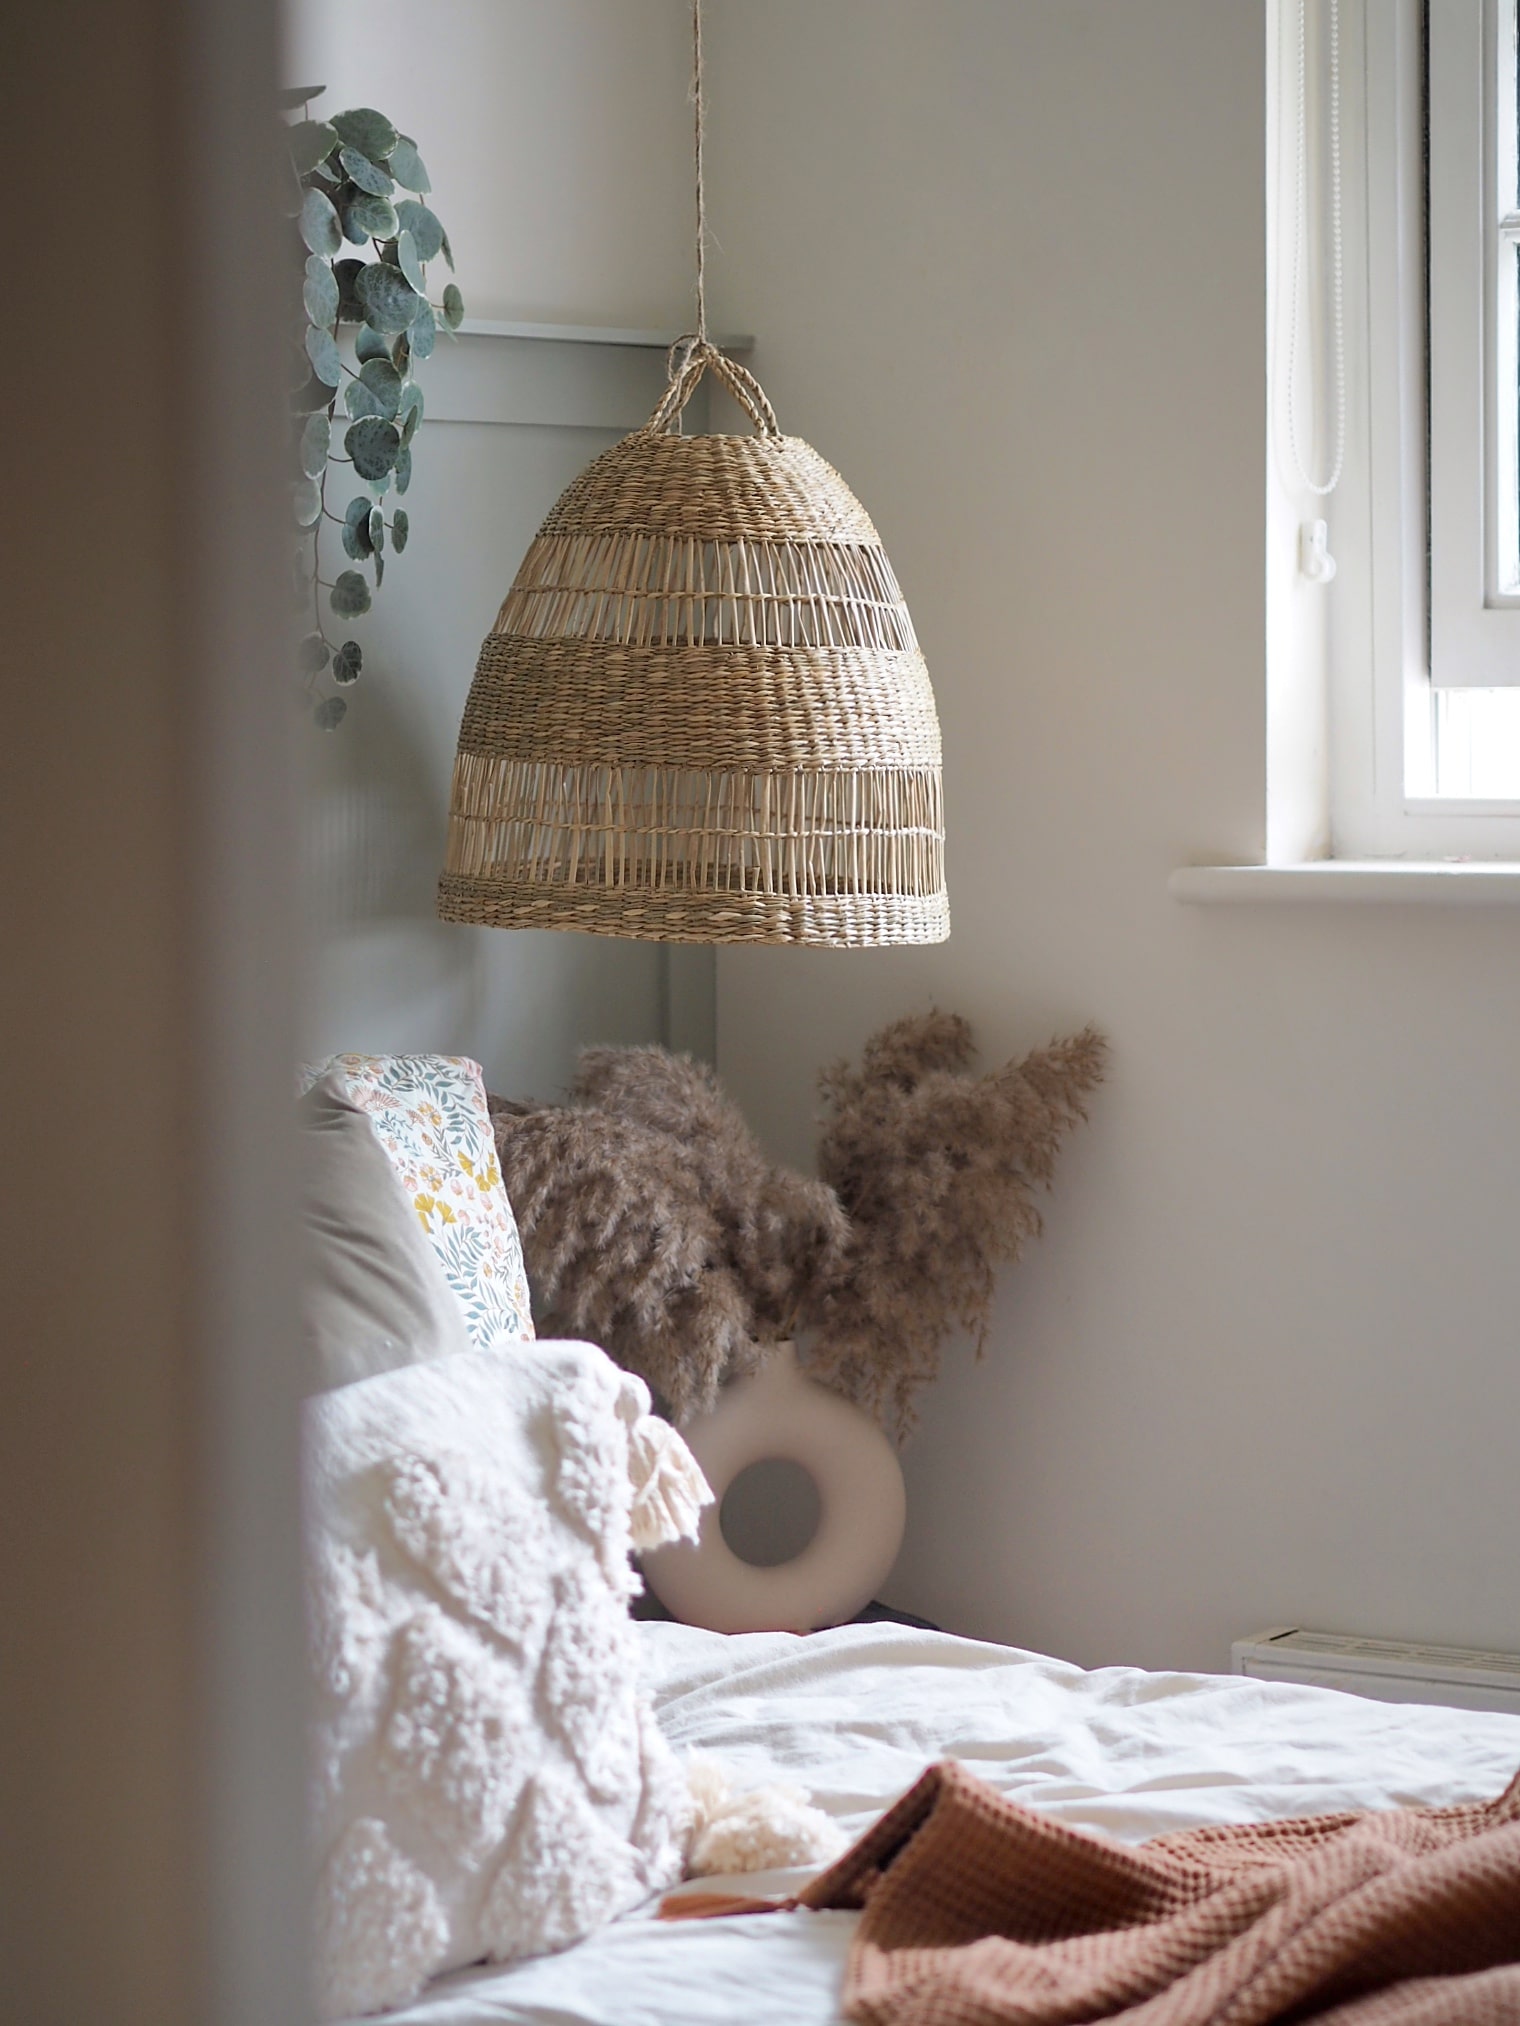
(702, 714)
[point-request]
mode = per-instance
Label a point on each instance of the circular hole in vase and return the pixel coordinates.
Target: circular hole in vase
(770, 1512)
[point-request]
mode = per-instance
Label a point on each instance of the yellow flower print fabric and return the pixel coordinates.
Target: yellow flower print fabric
(429, 1113)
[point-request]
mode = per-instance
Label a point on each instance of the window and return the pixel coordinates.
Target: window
(1421, 627)
(1474, 339)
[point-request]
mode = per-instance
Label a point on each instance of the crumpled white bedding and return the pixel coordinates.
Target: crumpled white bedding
(856, 1714)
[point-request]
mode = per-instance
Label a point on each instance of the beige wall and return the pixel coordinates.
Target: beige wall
(1005, 260)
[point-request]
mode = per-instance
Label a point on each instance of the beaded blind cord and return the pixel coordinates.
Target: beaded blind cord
(1300, 254)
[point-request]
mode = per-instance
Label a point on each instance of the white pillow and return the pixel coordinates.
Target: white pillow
(489, 1782)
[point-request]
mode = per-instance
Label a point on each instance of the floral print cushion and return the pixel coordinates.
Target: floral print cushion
(429, 1113)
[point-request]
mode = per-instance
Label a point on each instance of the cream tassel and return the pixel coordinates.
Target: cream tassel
(754, 1829)
(669, 1490)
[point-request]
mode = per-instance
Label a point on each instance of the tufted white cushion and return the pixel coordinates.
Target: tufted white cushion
(489, 1781)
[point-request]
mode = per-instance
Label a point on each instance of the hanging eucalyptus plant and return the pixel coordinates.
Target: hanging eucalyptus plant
(350, 172)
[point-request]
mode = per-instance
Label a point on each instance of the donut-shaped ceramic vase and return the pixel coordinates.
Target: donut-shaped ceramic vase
(778, 1414)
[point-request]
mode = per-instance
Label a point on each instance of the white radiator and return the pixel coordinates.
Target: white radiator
(1385, 1669)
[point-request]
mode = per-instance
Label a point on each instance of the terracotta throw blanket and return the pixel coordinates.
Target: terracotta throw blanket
(979, 1913)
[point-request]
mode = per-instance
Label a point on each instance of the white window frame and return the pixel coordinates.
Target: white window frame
(1474, 584)
(1382, 622)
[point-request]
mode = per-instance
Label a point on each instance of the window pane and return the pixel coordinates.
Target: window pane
(1478, 744)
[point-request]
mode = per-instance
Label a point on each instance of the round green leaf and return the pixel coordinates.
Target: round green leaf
(329, 713)
(405, 165)
(368, 218)
(370, 345)
(410, 422)
(323, 354)
(310, 142)
(359, 401)
(373, 445)
(403, 468)
(346, 274)
(425, 226)
(313, 654)
(356, 527)
(379, 569)
(401, 355)
(390, 301)
(319, 224)
(319, 291)
(401, 528)
(370, 132)
(410, 262)
(379, 487)
(347, 662)
(453, 307)
(361, 170)
(306, 498)
(384, 382)
(448, 252)
(350, 596)
(423, 329)
(316, 442)
(376, 530)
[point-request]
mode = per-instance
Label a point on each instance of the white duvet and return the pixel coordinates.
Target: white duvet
(856, 1714)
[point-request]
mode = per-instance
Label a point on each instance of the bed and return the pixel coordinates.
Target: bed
(855, 1714)
(454, 1466)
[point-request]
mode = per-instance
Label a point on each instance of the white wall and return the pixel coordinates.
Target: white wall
(1005, 259)
(556, 133)
(557, 137)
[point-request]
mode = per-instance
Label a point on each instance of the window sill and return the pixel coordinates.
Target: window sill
(1439, 883)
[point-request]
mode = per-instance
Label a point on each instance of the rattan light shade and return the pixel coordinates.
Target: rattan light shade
(702, 714)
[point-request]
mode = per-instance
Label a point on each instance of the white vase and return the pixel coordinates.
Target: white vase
(778, 1413)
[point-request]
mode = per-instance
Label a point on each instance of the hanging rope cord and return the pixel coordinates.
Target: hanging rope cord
(699, 122)
(1301, 255)
(694, 354)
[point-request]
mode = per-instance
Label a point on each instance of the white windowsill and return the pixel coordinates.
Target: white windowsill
(1434, 883)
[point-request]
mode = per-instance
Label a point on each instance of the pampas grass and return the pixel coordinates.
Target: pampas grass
(783, 1234)
(937, 1172)
(653, 1224)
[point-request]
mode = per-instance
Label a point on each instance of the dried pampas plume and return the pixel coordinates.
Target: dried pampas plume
(653, 1224)
(937, 1172)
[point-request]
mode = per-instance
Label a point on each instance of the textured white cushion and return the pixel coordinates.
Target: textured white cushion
(489, 1781)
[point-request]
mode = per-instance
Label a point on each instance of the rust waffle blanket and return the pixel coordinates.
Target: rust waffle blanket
(978, 1913)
